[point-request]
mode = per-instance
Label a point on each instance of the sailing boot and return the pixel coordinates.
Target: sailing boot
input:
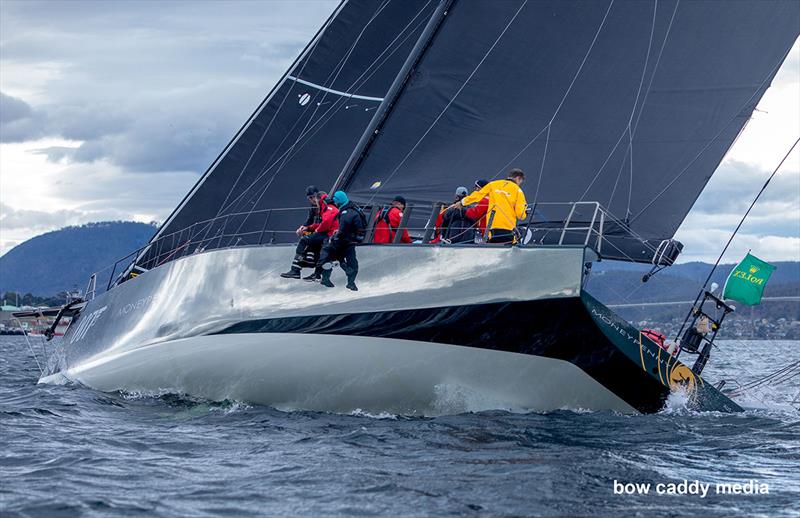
(314, 276)
(325, 278)
(294, 272)
(351, 280)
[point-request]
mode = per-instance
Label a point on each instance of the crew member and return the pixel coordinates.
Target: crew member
(456, 226)
(342, 244)
(477, 212)
(308, 257)
(437, 227)
(507, 205)
(315, 235)
(388, 221)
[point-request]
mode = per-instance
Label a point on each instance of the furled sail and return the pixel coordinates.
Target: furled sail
(301, 134)
(629, 103)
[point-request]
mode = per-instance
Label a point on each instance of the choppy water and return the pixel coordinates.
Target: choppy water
(68, 450)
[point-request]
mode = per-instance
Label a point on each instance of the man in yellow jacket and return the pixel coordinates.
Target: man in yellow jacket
(506, 205)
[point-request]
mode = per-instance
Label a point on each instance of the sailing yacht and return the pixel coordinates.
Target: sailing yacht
(619, 111)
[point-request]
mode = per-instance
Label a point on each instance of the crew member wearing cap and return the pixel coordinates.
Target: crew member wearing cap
(507, 205)
(307, 252)
(388, 221)
(477, 212)
(311, 243)
(452, 225)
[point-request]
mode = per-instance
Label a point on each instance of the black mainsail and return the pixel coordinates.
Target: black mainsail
(629, 103)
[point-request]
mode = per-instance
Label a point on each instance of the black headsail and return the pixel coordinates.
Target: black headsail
(301, 134)
(629, 103)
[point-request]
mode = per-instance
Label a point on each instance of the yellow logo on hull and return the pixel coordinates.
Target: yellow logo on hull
(681, 377)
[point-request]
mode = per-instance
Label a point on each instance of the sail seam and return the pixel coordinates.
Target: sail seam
(452, 99)
(242, 130)
(335, 92)
(738, 114)
(321, 121)
(335, 74)
(566, 94)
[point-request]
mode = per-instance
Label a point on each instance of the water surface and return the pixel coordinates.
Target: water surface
(69, 450)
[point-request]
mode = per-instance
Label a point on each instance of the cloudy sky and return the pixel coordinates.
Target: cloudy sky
(111, 110)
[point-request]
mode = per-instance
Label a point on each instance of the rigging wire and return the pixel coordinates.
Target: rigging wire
(327, 82)
(564, 98)
(708, 144)
(337, 105)
(450, 101)
(558, 108)
(269, 126)
(644, 101)
(741, 222)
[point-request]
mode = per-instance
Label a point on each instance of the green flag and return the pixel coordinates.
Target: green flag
(747, 280)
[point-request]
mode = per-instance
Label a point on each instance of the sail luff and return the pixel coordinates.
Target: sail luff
(389, 101)
(249, 121)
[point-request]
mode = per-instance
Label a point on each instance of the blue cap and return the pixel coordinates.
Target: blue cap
(340, 198)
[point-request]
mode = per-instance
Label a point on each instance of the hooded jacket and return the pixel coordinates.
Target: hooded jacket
(352, 223)
(507, 203)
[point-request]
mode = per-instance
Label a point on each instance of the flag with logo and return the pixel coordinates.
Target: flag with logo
(747, 280)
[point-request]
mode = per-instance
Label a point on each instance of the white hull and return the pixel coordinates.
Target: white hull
(347, 373)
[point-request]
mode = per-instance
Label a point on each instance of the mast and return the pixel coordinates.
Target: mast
(389, 101)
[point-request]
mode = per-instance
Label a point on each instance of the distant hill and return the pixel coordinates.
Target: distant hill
(63, 259)
(616, 282)
(620, 283)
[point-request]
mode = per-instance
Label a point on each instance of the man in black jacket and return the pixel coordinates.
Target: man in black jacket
(307, 252)
(342, 245)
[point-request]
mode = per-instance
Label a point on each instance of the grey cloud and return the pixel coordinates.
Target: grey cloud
(56, 153)
(12, 109)
(157, 86)
(735, 185)
(13, 219)
(18, 121)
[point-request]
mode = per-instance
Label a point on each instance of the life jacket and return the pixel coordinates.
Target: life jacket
(660, 340)
(385, 231)
(655, 336)
(457, 227)
(329, 221)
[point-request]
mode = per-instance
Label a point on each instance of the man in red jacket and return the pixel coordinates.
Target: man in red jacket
(320, 232)
(389, 220)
